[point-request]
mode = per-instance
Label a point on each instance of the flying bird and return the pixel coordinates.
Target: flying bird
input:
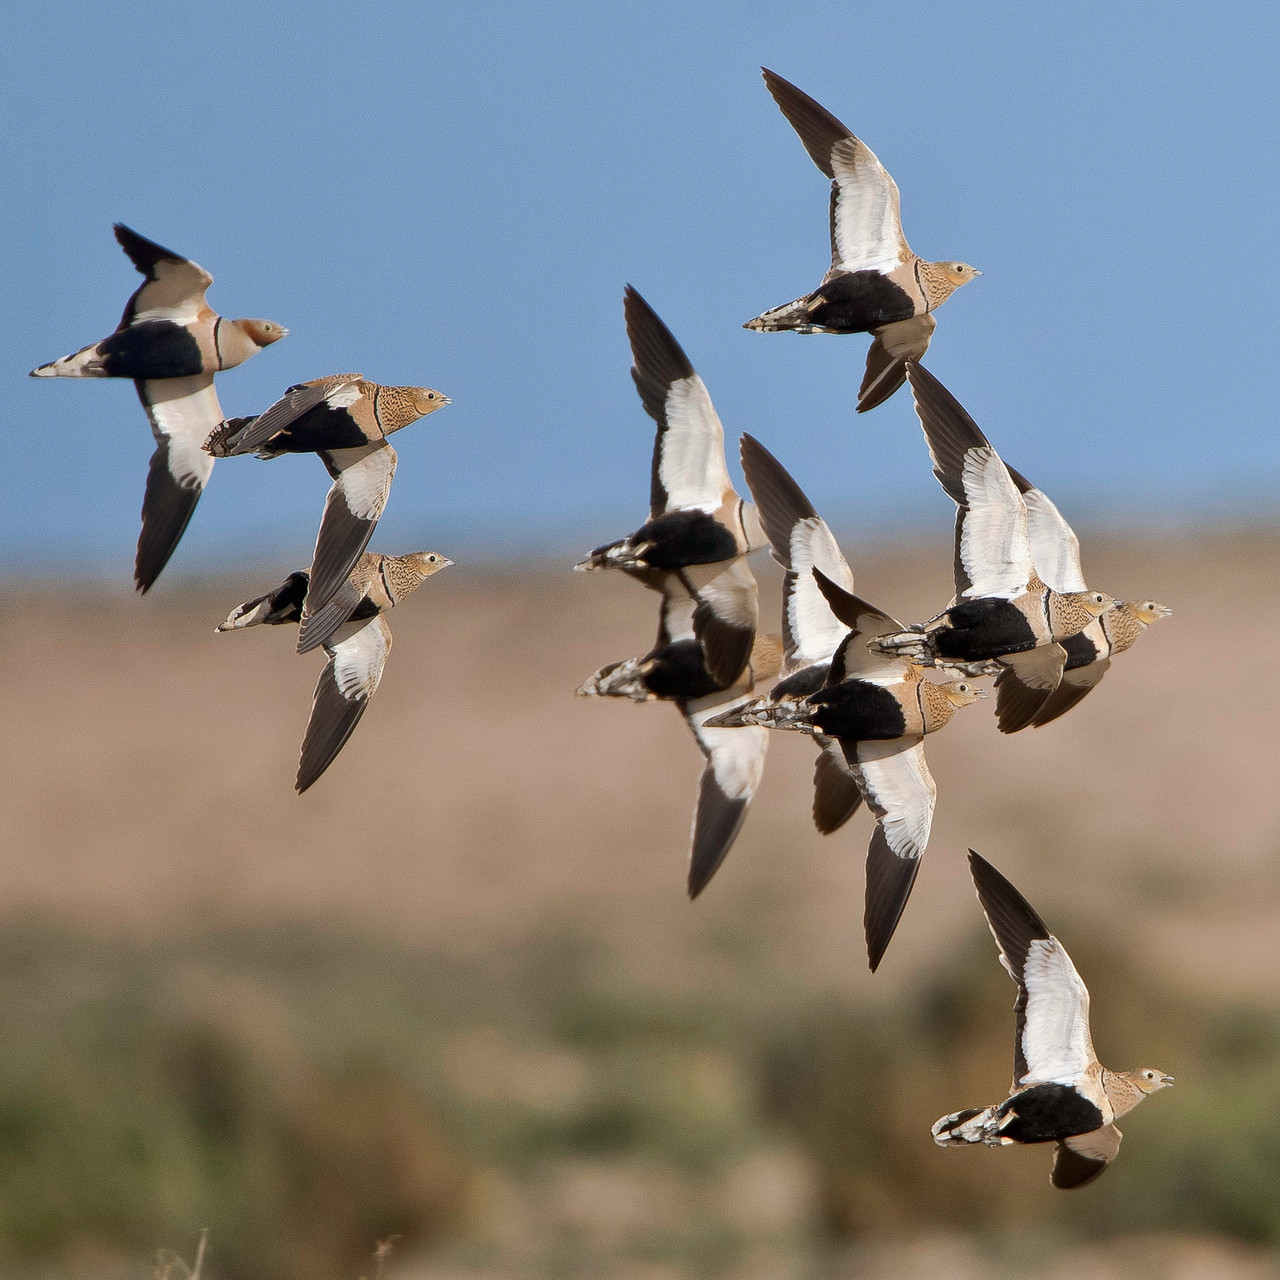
(171, 343)
(675, 670)
(1003, 617)
(1061, 1092)
(879, 708)
(346, 420)
(875, 283)
(697, 523)
(1086, 656)
(357, 647)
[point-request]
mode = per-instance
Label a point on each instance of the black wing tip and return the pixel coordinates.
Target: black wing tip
(1024, 485)
(143, 253)
(167, 508)
(655, 353)
(711, 845)
(890, 879)
(1001, 902)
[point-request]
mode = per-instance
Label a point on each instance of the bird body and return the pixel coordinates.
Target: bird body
(171, 343)
(357, 645)
(875, 284)
(345, 419)
(1061, 1092)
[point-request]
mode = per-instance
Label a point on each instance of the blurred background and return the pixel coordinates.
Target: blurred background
(454, 997)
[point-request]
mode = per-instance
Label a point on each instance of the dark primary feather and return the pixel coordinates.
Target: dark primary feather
(1074, 686)
(333, 719)
(819, 130)
(291, 406)
(779, 500)
(1013, 920)
(718, 819)
(143, 253)
(889, 883)
(835, 792)
(317, 627)
(1079, 1160)
(167, 508)
(950, 431)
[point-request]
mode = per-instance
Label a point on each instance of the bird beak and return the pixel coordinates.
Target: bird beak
(446, 563)
(976, 272)
(983, 693)
(1166, 1079)
(445, 400)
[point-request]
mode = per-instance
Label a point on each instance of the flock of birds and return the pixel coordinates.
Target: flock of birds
(845, 672)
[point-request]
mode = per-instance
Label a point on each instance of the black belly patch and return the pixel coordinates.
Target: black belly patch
(1080, 651)
(859, 301)
(686, 537)
(1048, 1112)
(154, 349)
(858, 711)
(679, 672)
(978, 629)
(319, 428)
(801, 684)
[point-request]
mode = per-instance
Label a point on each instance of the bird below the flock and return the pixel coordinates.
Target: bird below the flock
(697, 523)
(357, 646)
(1032, 690)
(879, 708)
(875, 283)
(171, 343)
(1003, 616)
(346, 419)
(675, 670)
(811, 632)
(1061, 1092)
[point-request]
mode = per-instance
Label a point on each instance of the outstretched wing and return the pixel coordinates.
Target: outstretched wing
(174, 286)
(864, 622)
(342, 693)
(1075, 684)
(726, 613)
(1052, 1042)
(358, 496)
(993, 550)
(836, 796)
(340, 391)
(887, 358)
(688, 450)
(1055, 549)
(1026, 683)
(1077, 1161)
(866, 227)
(800, 541)
(182, 412)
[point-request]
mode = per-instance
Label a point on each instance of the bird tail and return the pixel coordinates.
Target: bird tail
(225, 437)
(618, 680)
(788, 714)
(85, 363)
(793, 316)
(623, 554)
(964, 1127)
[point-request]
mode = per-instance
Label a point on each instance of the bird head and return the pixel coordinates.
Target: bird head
(1147, 1079)
(1148, 611)
(962, 693)
(425, 400)
(1094, 603)
(428, 562)
(959, 273)
(263, 332)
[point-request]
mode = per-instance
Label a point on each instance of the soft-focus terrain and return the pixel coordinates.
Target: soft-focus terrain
(456, 993)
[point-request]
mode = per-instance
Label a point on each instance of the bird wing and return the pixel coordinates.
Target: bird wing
(688, 450)
(864, 622)
(1052, 1042)
(361, 484)
(1026, 683)
(282, 605)
(1055, 549)
(1078, 1160)
(1074, 685)
(675, 616)
(316, 628)
(866, 227)
(887, 358)
(900, 791)
(993, 546)
(724, 620)
(734, 767)
(800, 540)
(836, 796)
(342, 693)
(182, 412)
(342, 391)
(174, 286)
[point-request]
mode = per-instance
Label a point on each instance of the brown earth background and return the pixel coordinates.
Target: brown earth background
(455, 994)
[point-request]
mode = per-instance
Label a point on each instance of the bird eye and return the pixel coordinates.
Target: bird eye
(431, 559)
(431, 395)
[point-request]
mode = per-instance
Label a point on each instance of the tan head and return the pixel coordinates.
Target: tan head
(1147, 1079)
(962, 693)
(1146, 611)
(1094, 603)
(425, 400)
(959, 273)
(263, 332)
(427, 562)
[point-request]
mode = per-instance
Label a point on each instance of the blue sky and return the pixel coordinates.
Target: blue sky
(455, 195)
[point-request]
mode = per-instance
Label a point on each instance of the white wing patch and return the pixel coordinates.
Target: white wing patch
(1055, 1039)
(817, 631)
(1055, 549)
(691, 450)
(358, 662)
(345, 395)
(735, 756)
(366, 475)
(178, 287)
(899, 790)
(994, 546)
(868, 231)
(183, 411)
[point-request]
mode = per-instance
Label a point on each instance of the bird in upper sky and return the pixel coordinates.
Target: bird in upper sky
(675, 670)
(879, 708)
(1003, 616)
(1061, 1092)
(1055, 549)
(346, 420)
(171, 343)
(357, 649)
(875, 283)
(697, 523)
